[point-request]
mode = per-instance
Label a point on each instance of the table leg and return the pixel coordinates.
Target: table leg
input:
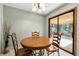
(38, 52)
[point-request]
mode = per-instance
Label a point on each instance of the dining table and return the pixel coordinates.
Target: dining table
(36, 43)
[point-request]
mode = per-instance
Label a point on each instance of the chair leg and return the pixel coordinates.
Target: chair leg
(42, 52)
(33, 53)
(48, 53)
(53, 53)
(58, 53)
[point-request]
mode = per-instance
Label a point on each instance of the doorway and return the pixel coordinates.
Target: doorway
(65, 23)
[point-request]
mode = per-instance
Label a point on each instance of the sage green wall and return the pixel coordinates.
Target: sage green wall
(1, 28)
(23, 22)
(61, 9)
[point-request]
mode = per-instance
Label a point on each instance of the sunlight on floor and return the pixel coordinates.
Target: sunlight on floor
(65, 42)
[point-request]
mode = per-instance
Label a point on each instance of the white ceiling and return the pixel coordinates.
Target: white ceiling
(28, 7)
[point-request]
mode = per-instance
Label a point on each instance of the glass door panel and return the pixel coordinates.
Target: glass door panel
(53, 25)
(66, 28)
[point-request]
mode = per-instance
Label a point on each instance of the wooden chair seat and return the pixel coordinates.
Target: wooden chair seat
(52, 48)
(23, 52)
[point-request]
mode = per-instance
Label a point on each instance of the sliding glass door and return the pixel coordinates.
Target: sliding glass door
(65, 24)
(66, 28)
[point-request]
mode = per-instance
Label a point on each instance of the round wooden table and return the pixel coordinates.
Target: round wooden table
(35, 43)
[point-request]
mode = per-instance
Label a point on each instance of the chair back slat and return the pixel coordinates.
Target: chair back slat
(14, 41)
(56, 39)
(35, 34)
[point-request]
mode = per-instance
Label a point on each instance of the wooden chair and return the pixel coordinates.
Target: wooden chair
(35, 34)
(21, 51)
(54, 47)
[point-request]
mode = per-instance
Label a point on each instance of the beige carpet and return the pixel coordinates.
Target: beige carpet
(62, 53)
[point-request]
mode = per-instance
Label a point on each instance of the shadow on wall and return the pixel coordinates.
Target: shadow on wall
(6, 37)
